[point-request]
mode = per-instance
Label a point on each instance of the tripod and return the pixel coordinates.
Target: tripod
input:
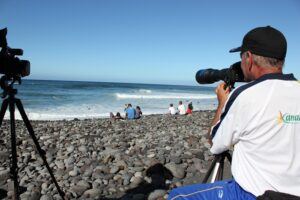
(217, 167)
(10, 100)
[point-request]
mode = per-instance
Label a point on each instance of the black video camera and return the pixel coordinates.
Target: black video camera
(10, 65)
(229, 75)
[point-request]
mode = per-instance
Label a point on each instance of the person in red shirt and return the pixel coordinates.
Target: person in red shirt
(190, 109)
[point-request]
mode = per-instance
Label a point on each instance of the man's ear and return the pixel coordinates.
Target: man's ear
(249, 61)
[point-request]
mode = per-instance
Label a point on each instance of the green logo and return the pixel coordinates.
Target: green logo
(288, 118)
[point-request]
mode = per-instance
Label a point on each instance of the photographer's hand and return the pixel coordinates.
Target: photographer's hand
(222, 94)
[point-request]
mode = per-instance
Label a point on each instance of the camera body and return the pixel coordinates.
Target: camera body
(10, 64)
(229, 75)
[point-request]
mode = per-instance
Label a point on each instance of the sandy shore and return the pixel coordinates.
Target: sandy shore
(103, 158)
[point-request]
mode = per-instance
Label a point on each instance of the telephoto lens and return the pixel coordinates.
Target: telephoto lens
(228, 75)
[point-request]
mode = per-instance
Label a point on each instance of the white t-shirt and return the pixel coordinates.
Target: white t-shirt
(181, 109)
(172, 110)
(262, 120)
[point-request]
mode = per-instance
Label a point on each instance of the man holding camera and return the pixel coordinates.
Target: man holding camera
(261, 119)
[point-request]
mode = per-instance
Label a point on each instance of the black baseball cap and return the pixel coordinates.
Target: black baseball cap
(264, 41)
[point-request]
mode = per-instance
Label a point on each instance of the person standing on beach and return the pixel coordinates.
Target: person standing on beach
(172, 110)
(130, 112)
(262, 120)
(181, 108)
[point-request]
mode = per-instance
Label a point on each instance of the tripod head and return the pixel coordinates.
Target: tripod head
(7, 83)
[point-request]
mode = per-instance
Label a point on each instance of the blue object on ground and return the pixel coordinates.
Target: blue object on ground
(225, 190)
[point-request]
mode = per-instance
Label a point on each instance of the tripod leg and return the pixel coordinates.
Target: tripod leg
(40, 150)
(217, 167)
(221, 169)
(212, 166)
(228, 156)
(14, 168)
(3, 110)
(216, 173)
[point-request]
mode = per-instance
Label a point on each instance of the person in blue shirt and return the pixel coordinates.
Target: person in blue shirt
(130, 112)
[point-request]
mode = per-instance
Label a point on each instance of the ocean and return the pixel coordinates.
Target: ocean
(56, 100)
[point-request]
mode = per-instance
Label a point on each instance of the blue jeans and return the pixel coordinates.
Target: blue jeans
(225, 190)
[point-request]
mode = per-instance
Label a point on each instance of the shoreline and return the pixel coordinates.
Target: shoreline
(104, 117)
(45, 100)
(110, 159)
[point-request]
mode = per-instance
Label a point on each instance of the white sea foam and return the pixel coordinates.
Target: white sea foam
(56, 100)
(145, 91)
(57, 116)
(84, 112)
(68, 112)
(165, 96)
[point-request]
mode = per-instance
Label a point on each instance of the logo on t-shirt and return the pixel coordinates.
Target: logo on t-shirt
(220, 194)
(288, 118)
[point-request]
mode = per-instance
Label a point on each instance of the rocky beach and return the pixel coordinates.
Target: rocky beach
(109, 159)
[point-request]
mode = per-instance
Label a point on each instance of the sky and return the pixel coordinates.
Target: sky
(141, 41)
